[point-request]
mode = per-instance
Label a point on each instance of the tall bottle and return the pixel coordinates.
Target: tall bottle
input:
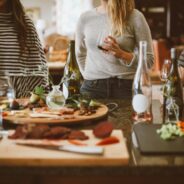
(142, 89)
(72, 76)
(174, 90)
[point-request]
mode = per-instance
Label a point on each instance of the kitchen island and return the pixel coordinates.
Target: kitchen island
(141, 169)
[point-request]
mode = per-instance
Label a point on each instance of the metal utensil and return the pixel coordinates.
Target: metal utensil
(112, 106)
(92, 150)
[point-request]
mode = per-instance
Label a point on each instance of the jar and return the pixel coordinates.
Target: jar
(55, 99)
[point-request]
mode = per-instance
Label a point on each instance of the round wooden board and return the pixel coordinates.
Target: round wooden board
(100, 113)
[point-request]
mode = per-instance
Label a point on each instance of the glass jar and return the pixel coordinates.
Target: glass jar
(55, 99)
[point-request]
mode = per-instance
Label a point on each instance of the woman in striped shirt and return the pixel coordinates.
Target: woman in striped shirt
(181, 66)
(21, 55)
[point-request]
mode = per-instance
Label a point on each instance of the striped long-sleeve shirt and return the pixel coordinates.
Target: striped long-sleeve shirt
(26, 69)
(181, 59)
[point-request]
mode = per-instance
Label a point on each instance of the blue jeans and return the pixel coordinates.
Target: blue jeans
(108, 88)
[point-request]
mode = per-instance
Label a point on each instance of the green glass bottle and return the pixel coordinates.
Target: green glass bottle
(174, 88)
(72, 75)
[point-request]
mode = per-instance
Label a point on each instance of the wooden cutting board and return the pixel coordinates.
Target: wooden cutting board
(18, 155)
(101, 112)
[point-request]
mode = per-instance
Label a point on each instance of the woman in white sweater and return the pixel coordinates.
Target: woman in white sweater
(109, 71)
(21, 55)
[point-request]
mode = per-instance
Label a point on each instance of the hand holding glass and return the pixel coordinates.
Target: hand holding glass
(101, 38)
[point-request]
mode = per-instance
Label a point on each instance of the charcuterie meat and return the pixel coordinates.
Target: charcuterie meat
(46, 132)
(103, 129)
(57, 132)
(76, 134)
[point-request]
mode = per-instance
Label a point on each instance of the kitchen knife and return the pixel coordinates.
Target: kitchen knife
(91, 150)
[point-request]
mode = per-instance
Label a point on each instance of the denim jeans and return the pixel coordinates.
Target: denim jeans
(108, 88)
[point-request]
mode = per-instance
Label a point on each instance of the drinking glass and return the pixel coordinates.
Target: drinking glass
(101, 38)
(6, 90)
(6, 96)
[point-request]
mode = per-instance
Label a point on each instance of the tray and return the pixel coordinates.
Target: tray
(101, 112)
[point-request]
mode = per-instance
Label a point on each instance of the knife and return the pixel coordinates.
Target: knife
(91, 150)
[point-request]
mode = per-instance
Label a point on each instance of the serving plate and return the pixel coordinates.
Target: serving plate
(26, 116)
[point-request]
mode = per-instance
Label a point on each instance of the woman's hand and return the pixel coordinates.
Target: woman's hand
(112, 47)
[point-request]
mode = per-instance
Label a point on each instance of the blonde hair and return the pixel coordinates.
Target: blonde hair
(119, 12)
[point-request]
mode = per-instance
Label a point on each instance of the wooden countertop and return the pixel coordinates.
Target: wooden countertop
(141, 169)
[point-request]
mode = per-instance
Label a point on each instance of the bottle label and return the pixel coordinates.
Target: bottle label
(140, 103)
(65, 91)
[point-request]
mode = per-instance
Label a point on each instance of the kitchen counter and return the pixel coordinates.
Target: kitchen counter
(141, 169)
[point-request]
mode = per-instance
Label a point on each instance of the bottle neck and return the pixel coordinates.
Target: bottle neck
(174, 67)
(72, 58)
(142, 55)
(72, 45)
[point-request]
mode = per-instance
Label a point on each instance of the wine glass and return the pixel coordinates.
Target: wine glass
(6, 90)
(6, 96)
(101, 38)
(166, 67)
(164, 74)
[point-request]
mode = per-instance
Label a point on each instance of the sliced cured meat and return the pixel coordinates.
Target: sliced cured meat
(37, 132)
(79, 135)
(57, 132)
(19, 133)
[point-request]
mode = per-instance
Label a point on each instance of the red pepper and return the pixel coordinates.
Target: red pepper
(180, 124)
(4, 114)
(107, 141)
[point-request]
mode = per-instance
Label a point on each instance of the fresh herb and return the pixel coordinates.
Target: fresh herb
(37, 95)
(84, 103)
(170, 131)
(39, 90)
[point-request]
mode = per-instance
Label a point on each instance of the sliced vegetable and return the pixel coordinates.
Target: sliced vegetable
(170, 131)
(37, 95)
(34, 98)
(108, 140)
(94, 103)
(4, 113)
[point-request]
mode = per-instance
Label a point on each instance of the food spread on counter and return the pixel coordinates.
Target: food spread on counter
(171, 131)
(45, 132)
(36, 107)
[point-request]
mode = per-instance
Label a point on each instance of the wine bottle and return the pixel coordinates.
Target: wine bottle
(174, 88)
(72, 77)
(142, 89)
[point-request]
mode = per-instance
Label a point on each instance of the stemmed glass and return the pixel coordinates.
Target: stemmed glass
(164, 74)
(6, 95)
(165, 70)
(6, 90)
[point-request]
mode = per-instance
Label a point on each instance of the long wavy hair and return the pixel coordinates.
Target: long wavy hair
(17, 10)
(119, 12)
